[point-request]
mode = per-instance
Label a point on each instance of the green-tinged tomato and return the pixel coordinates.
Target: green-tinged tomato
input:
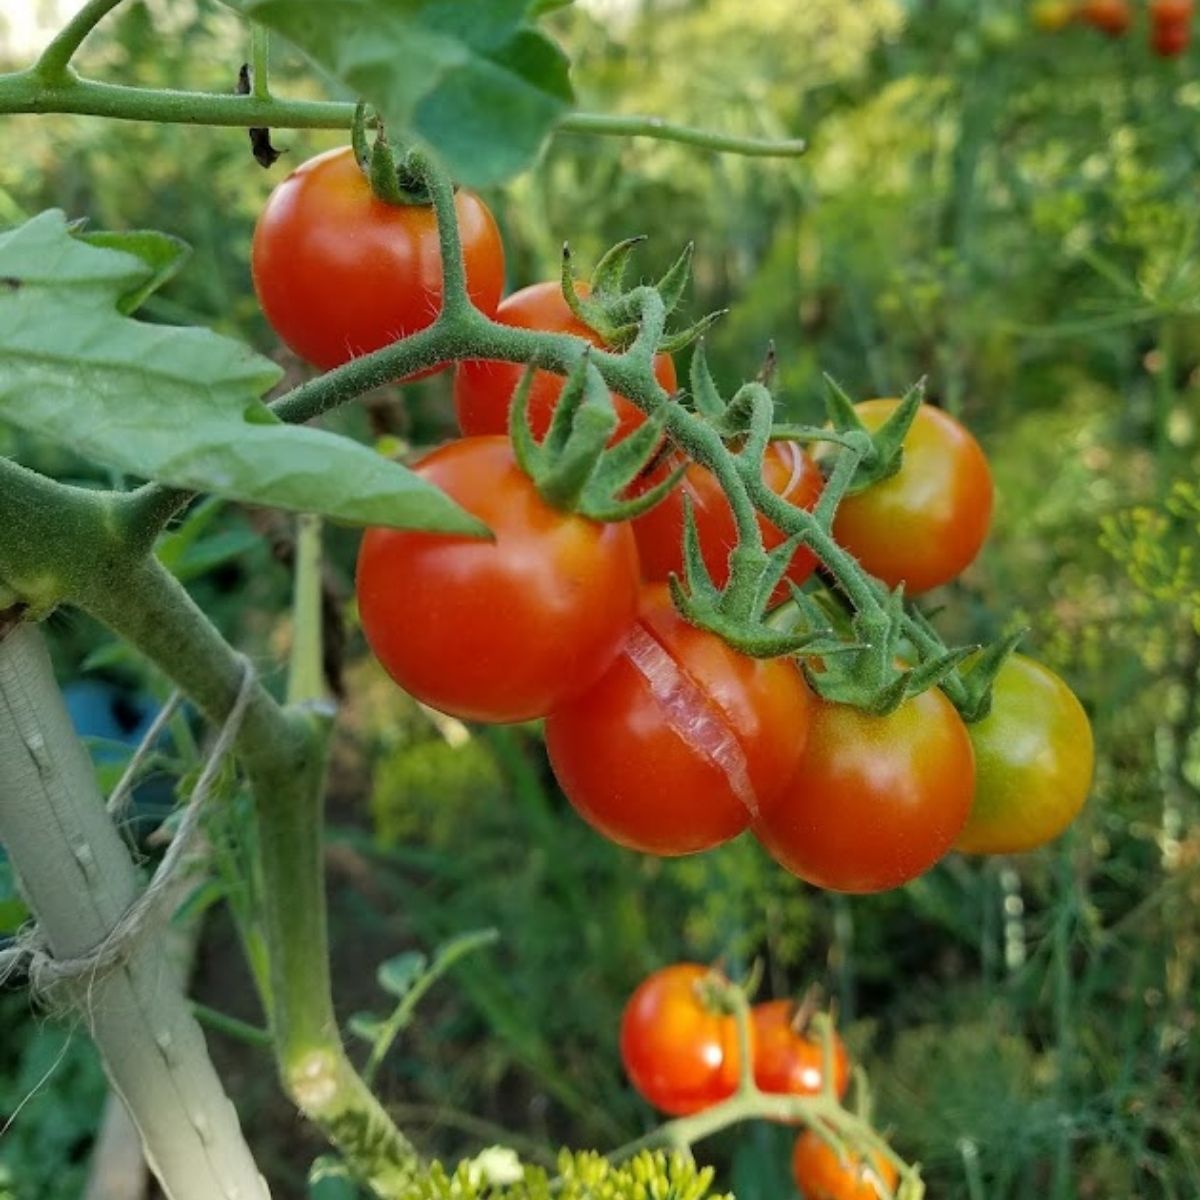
(1033, 762)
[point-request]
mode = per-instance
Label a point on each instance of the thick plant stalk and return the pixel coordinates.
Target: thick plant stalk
(79, 881)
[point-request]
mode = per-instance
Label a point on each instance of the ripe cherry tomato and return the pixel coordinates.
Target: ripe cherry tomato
(340, 273)
(788, 471)
(1033, 762)
(682, 740)
(1109, 16)
(497, 630)
(483, 390)
(679, 1052)
(1052, 15)
(1171, 12)
(790, 1060)
(821, 1175)
(927, 522)
(876, 801)
(1170, 40)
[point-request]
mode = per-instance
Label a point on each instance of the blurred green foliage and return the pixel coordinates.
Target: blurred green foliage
(1009, 213)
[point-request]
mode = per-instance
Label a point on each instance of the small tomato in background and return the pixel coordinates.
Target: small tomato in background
(682, 740)
(876, 800)
(1033, 762)
(821, 1175)
(1170, 41)
(926, 523)
(483, 390)
(788, 471)
(1052, 15)
(500, 630)
(1112, 17)
(789, 1056)
(679, 1051)
(1171, 12)
(340, 273)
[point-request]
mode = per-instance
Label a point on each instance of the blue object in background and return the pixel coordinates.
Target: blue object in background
(114, 721)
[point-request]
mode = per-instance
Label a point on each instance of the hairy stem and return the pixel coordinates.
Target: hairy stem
(52, 66)
(283, 752)
(35, 91)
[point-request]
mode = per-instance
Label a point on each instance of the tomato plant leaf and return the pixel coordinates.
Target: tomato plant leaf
(163, 255)
(178, 405)
(366, 1026)
(471, 79)
(397, 975)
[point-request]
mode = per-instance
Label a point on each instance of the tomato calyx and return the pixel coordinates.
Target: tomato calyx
(883, 456)
(980, 674)
(574, 468)
(394, 181)
(616, 314)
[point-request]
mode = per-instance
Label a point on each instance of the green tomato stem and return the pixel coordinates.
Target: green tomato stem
(260, 61)
(306, 676)
(53, 64)
(48, 88)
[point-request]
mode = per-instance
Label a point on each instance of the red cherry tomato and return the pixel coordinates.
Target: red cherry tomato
(1033, 762)
(340, 273)
(876, 801)
(790, 1060)
(1112, 17)
(483, 390)
(1171, 12)
(1170, 40)
(680, 1053)
(497, 630)
(681, 740)
(926, 523)
(787, 470)
(821, 1175)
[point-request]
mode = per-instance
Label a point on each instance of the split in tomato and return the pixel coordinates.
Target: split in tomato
(682, 740)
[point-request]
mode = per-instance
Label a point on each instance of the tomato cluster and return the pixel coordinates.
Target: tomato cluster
(679, 1047)
(679, 1044)
(1170, 20)
(663, 737)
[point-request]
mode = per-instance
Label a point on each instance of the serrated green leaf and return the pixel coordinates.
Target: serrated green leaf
(470, 79)
(397, 975)
(169, 403)
(163, 255)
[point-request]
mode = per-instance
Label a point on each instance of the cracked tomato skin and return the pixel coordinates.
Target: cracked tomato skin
(340, 273)
(680, 1054)
(876, 800)
(787, 470)
(1033, 762)
(500, 630)
(681, 740)
(821, 1175)
(483, 390)
(790, 1061)
(925, 524)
